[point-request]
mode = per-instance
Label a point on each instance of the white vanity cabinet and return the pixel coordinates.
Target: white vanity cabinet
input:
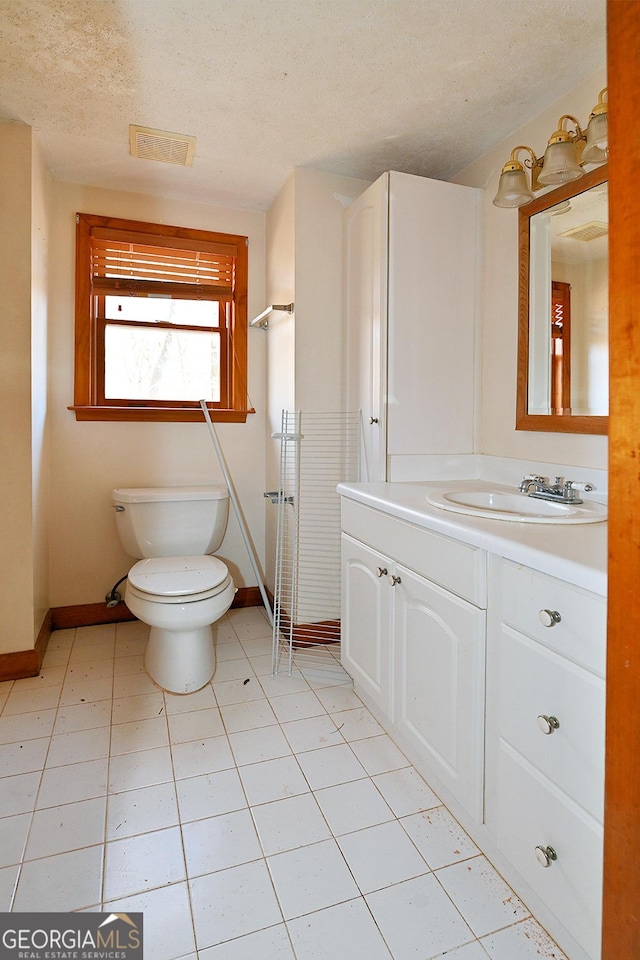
(413, 629)
(545, 741)
(410, 282)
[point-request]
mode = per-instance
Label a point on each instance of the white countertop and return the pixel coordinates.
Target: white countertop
(575, 552)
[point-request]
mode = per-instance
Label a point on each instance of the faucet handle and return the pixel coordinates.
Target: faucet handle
(583, 487)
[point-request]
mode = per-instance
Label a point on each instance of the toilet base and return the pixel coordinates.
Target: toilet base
(180, 661)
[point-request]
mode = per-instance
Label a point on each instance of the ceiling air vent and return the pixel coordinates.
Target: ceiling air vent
(150, 144)
(587, 231)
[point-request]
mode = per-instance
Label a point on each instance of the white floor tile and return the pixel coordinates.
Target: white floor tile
(131, 630)
(202, 699)
(261, 665)
(86, 691)
(132, 770)
(13, 835)
(380, 856)
(237, 691)
(417, 919)
(344, 931)
(439, 837)
(131, 646)
(82, 781)
(49, 676)
(141, 811)
(330, 766)
(357, 724)
(126, 666)
(285, 824)
(69, 881)
(405, 791)
(143, 862)
(273, 780)
(312, 734)
(196, 757)
(218, 843)
(31, 701)
(379, 754)
(143, 707)
(139, 735)
(353, 806)
(230, 649)
(75, 747)
(168, 931)
(483, 898)
(195, 725)
(263, 743)
(210, 795)
(223, 633)
(471, 951)
(270, 944)
(311, 878)
(237, 669)
(297, 706)
(69, 826)
(8, 878)
(90, 651)
(90, 670)
(247, 715)
(282, 685)
(524, 941)
(133, 685)
(24, 757)
(18, 794)
(26, 726)
(83, 716)
(233, 903)
(338, 698)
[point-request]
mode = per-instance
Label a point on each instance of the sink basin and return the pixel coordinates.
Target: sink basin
(518, 507)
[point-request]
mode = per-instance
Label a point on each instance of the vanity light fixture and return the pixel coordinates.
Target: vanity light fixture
(564, 158)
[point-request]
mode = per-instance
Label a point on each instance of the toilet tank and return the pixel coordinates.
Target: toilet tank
(171, 521)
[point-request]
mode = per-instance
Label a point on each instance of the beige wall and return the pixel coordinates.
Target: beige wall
(499, 301)
(16, 526)
(88, 459)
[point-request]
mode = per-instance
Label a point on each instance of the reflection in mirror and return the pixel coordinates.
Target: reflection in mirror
(563, 329)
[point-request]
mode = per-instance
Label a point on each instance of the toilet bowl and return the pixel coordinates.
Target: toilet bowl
(178, 592)
(179, 597)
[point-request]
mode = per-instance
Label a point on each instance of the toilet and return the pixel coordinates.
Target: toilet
(176, 587)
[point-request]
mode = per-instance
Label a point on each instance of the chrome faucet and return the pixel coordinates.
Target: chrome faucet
(564, 491)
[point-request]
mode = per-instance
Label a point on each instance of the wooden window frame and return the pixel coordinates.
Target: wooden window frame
(89, 329)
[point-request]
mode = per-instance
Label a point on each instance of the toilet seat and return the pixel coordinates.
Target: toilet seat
(178, 579)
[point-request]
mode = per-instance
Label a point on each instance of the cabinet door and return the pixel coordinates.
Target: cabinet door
(366, 321)
(366, 621)
(440, 656)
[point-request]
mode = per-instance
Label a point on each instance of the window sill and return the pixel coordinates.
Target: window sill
(154, 414)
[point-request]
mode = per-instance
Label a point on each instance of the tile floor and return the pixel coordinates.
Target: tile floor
(264, 820)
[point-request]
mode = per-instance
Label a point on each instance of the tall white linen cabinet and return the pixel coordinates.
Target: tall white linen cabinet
(410, 310)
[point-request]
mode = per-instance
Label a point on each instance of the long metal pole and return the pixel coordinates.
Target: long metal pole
(241, 521)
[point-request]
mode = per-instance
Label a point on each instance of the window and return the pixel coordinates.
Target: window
(161, 322)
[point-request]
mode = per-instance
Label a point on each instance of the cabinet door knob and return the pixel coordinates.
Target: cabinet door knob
(547, 724)
(381, 571)
(373, 419)
(545, 856)
(549, 618)
(394, 580)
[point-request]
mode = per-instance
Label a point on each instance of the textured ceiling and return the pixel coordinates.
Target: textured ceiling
(354, 87)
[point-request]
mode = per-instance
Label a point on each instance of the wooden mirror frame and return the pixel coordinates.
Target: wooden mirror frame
(548, 423)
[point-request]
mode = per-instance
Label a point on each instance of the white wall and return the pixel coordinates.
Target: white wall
(88, 459)
(16, 526)
(499, 301)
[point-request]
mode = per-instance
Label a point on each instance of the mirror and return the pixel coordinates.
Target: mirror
(563, 328)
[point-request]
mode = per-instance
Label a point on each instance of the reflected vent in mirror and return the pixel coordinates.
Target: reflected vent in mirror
(587, 231)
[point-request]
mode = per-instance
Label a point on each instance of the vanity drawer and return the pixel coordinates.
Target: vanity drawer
(534, 813)
(579, 634)
(536, 682)
(453, 565)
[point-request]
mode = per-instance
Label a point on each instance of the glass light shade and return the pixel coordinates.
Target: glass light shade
(597, 148)
(513, 189)
(560, 164)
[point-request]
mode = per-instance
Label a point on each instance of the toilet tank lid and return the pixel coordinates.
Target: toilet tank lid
(212, 491)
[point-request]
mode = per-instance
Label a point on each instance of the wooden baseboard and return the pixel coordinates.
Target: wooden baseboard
(26, 663)
(90, 614)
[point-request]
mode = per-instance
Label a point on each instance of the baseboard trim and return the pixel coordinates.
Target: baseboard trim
(26, 663)
(90, 614)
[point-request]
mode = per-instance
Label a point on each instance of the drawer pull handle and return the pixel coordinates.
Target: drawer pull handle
(549, 618)
(547, 724)
(394, 580)
(545, 856)
(381, 571)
